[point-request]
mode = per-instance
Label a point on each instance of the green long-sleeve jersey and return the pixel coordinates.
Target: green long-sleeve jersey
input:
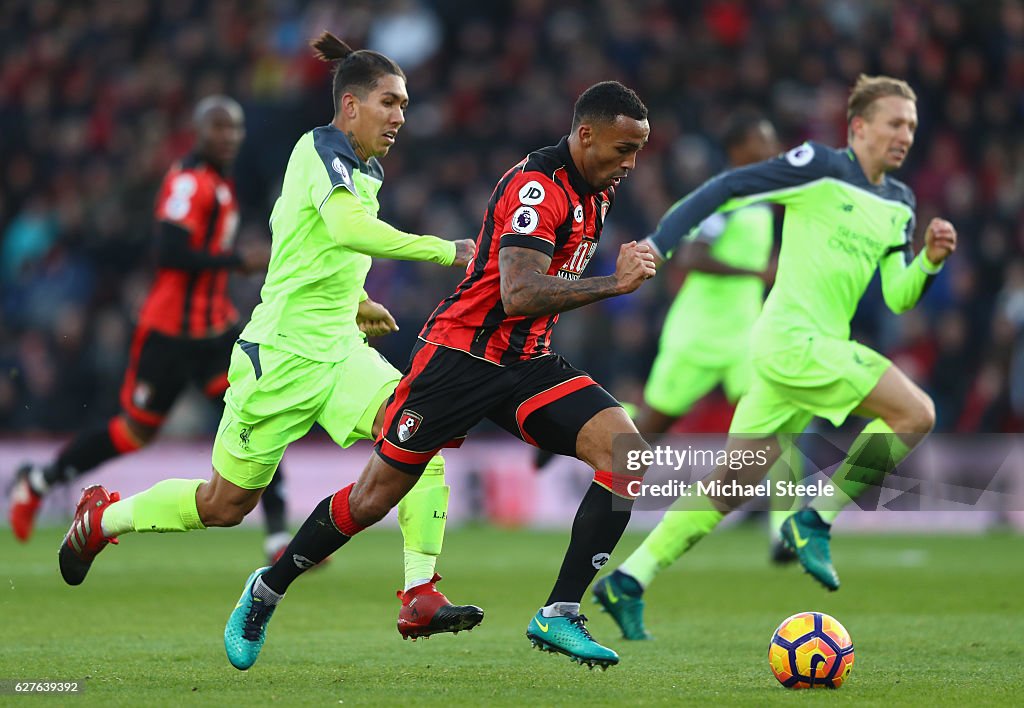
(325, 231)
(838, 228)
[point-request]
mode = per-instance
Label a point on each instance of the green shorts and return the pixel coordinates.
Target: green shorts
(274, 397)
(819, 376)
(677, 381)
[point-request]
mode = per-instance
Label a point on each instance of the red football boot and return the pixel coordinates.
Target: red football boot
(24, 505)
(85, 538)
(426, 611)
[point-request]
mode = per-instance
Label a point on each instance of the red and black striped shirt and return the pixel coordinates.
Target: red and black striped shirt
(542, 203)
(197, 217)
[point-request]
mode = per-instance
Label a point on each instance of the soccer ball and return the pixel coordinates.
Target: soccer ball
(811, 650)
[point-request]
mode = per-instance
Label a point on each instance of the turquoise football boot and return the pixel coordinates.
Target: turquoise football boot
(567, 635)
(246, 629)
(625, 607)
(807, 535)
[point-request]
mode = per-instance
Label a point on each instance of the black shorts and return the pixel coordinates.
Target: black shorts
(445, 392)
(161, 367)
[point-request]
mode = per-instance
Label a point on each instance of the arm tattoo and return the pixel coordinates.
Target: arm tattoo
(527, 290)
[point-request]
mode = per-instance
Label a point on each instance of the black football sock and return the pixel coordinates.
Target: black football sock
(318, 538)
(90, 449)
(595, 531)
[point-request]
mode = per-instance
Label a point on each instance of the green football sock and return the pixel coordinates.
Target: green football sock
(421, 516)
(874, 454)
(788, 468)
(166, 506)
(687, 521)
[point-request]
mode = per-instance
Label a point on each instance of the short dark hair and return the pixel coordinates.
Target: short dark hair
(605, 101)
(739, 125)
(355, 71)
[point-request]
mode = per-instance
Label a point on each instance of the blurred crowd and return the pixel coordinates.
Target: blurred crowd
(95, 100)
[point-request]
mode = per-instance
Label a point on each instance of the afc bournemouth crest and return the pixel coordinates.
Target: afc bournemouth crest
(408, 424)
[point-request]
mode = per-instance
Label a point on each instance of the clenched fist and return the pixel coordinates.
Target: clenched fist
(374, 320)
(939, 240)
(634, 265)
(465, 249)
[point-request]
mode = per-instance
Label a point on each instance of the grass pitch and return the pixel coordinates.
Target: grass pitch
(935, 620)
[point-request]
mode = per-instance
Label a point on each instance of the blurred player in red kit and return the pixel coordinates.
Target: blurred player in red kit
(187, 325)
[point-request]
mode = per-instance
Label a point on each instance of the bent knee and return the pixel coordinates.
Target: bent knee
(926, 418)
(224, 516)
(610, 441)
(917, 419)
(218, 509)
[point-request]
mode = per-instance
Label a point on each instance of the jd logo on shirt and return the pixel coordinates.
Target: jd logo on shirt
(531, 193)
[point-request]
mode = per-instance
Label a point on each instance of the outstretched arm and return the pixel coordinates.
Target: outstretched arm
(350, 225)
(527, 290)
(775, 180)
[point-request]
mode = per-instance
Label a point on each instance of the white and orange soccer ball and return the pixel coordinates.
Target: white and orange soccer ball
(811, 650)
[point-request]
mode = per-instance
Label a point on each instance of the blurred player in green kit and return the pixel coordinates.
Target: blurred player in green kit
(845, 218)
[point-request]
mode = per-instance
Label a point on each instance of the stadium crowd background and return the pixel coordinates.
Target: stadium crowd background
(95, 101)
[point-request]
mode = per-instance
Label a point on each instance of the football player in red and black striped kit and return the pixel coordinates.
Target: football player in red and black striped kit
(484, 353)
(187, 325)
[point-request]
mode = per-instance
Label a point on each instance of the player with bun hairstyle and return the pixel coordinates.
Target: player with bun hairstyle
(303, 357)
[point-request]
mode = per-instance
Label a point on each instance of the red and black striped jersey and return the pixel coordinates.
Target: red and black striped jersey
(542, 203)
(190, 298)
